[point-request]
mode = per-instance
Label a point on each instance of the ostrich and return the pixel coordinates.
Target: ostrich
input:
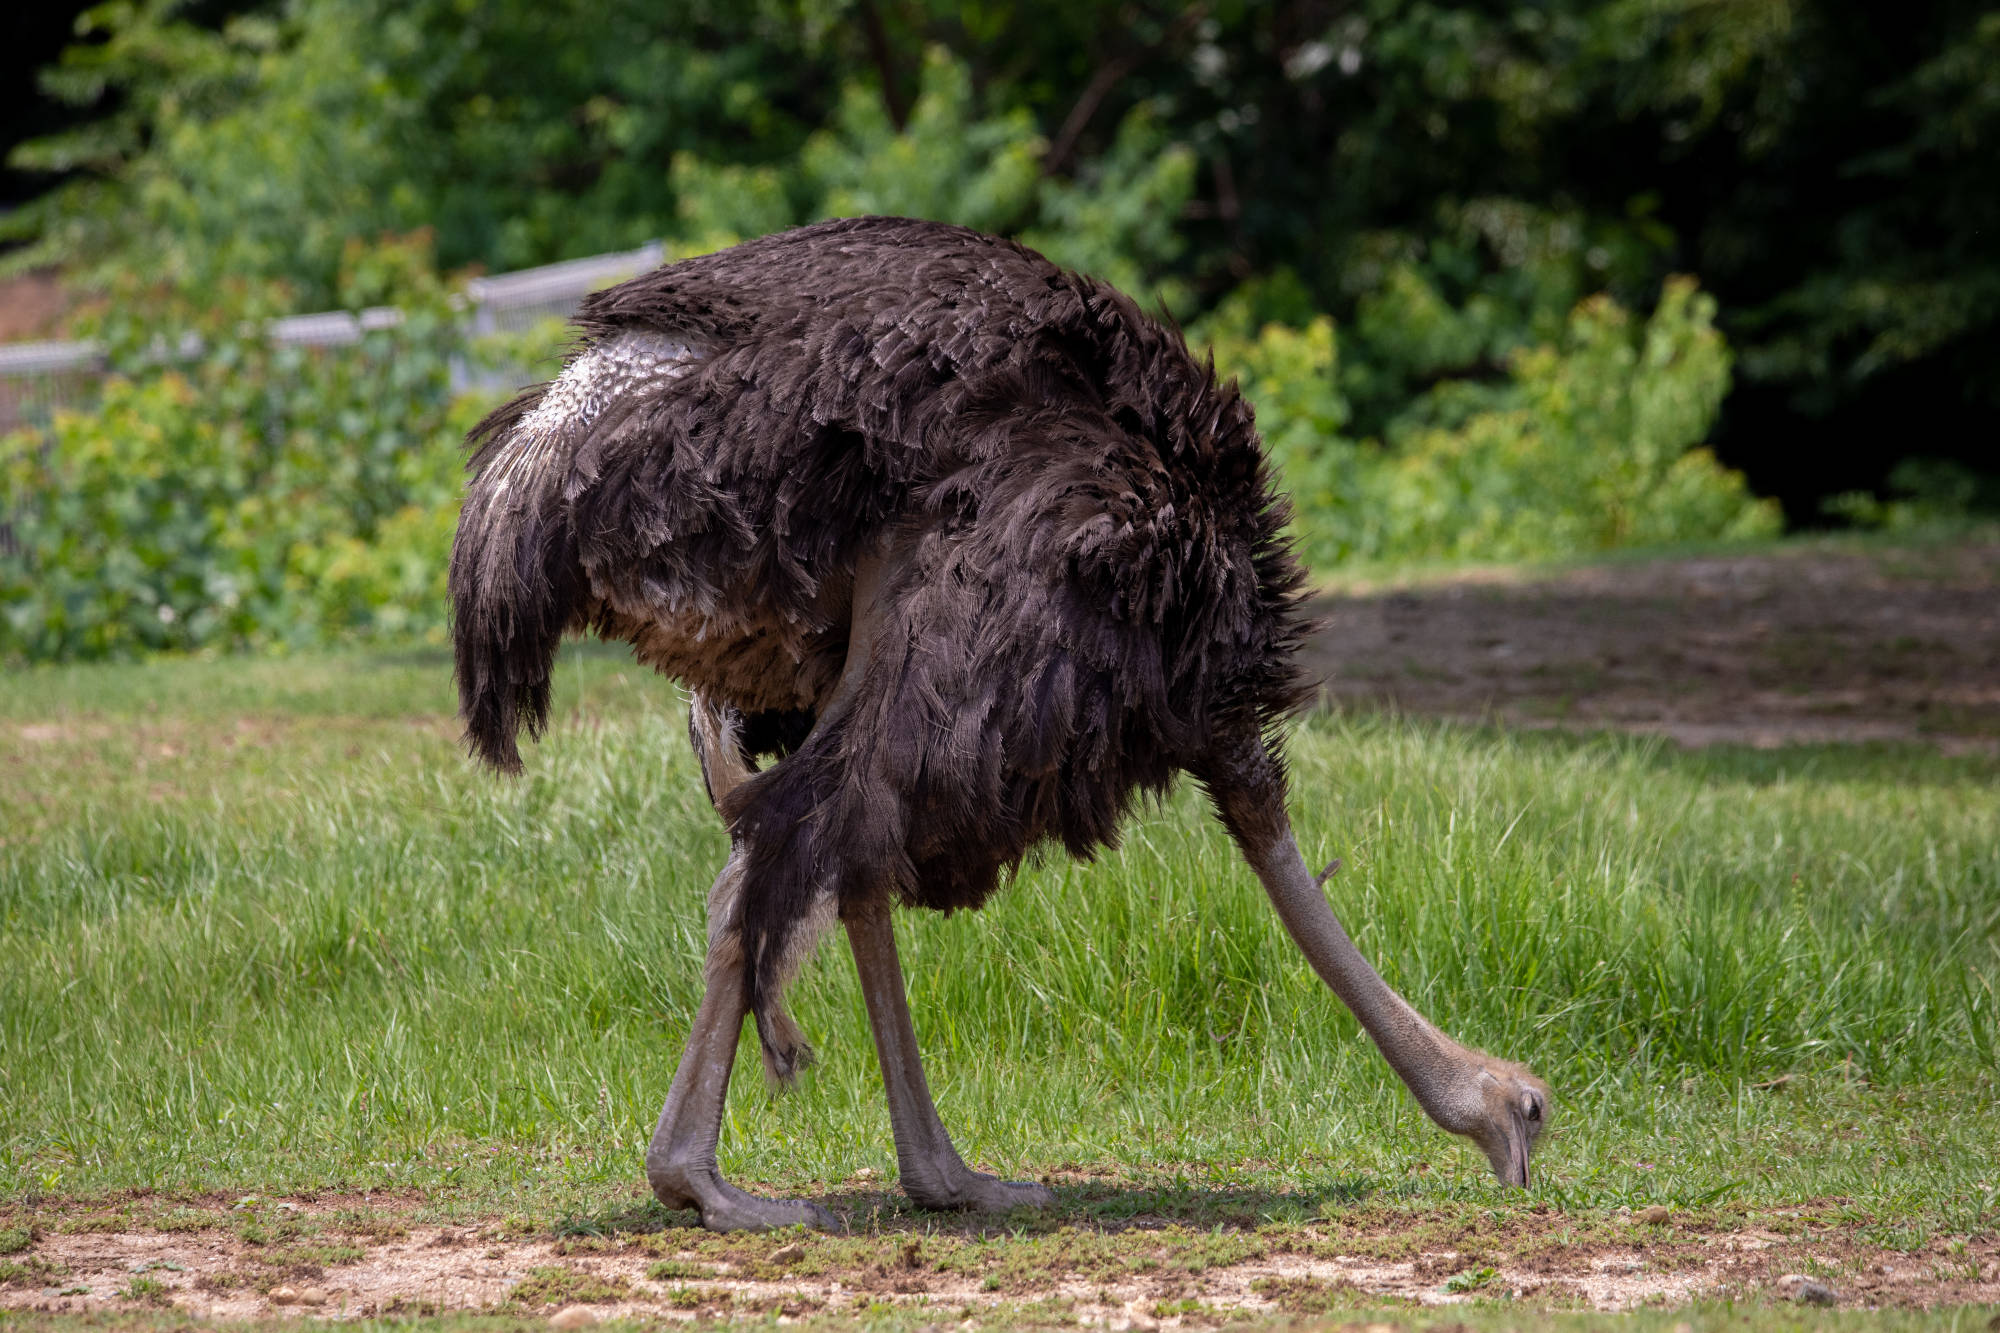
(977, 552)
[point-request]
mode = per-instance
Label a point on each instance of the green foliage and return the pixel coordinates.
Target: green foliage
(720, 204)
(1493, 276)
(1823, 165)
(251, 495)
(1592, 446)
(265, 929)
(521, 133)
(1115, 219)
(1591, 443)
(1925, 493)
(946, 163)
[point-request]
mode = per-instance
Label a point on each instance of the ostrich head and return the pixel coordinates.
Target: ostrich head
(1501, 1107)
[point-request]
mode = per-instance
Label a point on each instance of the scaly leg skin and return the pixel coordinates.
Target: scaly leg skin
(680, 1163)
(934, 1176)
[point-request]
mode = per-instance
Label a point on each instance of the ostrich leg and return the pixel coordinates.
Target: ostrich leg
(680, 1163)
(934, 1176)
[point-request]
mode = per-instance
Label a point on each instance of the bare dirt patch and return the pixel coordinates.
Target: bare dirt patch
(1805, 644)
(315, 1259)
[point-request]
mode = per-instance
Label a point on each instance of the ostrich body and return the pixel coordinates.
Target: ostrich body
(979, 552)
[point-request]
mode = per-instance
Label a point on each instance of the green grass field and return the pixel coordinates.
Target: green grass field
(263, 929)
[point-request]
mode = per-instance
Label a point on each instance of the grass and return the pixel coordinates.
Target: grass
(147, 1291)
(264, 930)
(556, 1285)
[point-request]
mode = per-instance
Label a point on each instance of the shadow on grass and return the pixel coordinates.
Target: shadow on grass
(1106, 1206)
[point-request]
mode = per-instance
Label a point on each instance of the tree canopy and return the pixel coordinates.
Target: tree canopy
(1446, 180)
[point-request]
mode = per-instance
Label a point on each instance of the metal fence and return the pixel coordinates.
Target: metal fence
(37, 379)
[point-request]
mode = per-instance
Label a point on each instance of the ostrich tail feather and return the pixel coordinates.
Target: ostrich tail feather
(516, 585)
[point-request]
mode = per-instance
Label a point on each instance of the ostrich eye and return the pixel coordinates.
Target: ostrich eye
(1534, 1108)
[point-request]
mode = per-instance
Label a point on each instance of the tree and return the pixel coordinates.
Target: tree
(1447, 180)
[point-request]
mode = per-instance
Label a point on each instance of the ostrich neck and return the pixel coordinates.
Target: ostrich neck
(1437, 1069)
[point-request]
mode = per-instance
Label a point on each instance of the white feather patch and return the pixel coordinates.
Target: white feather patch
(624, 363)
(611, 368)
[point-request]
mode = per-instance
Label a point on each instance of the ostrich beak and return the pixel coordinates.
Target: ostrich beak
(1514, 1169)
(1516, 1112)
(1509, 1155)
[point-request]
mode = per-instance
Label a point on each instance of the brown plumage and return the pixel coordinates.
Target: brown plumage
(1059, 530)
(1093, 577)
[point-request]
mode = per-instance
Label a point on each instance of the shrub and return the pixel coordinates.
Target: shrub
(270, 496)
(1290, 376)
(1931, 493)
(1591, 443)
(253, 495)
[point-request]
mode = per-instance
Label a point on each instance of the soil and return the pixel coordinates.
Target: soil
(326, 1259)
(1809, 643)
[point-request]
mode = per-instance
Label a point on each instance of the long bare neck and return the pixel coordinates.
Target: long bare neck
(1441, 1073)
(1435, 1067)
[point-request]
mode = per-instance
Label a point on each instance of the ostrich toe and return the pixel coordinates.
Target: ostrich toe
(976, 1192)
(724, 1207)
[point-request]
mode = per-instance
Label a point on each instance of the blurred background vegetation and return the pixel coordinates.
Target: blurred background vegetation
(1504, 279)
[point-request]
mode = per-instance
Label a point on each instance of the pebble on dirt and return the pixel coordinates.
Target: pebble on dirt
(1805, 1290)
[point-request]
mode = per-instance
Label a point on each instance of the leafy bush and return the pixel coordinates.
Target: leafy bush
(945, 163)
(260, 143)
(254, 495)
(251, 495)
(266, 496)
(1116, 220)
(1591, 443)
(1933, 493)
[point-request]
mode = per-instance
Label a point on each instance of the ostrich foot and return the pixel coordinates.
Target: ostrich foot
(724, 1207)
(966, 1190)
